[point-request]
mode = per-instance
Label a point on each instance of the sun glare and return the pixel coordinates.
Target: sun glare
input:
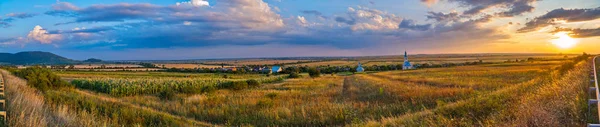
(564, 41)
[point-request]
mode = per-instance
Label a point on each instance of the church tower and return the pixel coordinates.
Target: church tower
(406, 65)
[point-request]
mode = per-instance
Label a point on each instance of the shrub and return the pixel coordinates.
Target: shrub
(41, 78)
(314, 72)
(209, 89)
(253, 83)
(294, 75)
(239, 85)
(167, 94)
(271, 95)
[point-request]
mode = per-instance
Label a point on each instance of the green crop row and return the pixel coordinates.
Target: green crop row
(143, 86)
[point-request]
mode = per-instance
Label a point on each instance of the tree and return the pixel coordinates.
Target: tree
(294, 75)
(239, 85)
(314, 72)
(253, 83)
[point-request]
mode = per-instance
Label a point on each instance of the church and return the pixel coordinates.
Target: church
(360, 68)
(407, 65)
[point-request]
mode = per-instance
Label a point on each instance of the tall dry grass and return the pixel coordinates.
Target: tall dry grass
(26, 107)
(552, 99)
(562, 102)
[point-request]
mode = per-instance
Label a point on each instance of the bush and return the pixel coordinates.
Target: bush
(253, 83)
(294, 75)
(41, 78)
(239, 85)
(271, 95)
(209, 89)
(167, 94)
(314, 72)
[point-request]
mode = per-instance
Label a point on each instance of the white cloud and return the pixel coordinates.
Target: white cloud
(40, 34)
(372, 19)
(64, 6)
(187, 23)
(255, 14)
(302, 21)
(195, 3)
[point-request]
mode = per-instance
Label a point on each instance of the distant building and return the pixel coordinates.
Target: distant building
(360, 68)
(266, 70)
(406, 65)
(276, 69)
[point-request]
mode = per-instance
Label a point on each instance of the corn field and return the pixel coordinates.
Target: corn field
(143, 86)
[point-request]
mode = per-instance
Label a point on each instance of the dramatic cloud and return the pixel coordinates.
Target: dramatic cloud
(40, 34)
(410, 24)
(579, 33)
(11, 41)
(515, 7)
(315, 13)
(252, 22)
(20, 15)
(443, 17)
(509, 8)
(254, 14)
(363, 18)
(83, 30)
(5, 22)
(250, 14)
(561, 15)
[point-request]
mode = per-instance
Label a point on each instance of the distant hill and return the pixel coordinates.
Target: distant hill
(34, 57)
(93, 60)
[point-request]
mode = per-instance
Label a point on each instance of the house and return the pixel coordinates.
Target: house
(406, 65)
(360, 68)
(276, 69)
(266, 70)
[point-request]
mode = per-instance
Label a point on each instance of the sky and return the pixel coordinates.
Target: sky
(202, 29)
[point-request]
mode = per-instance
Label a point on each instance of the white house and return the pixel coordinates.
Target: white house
(407, 65)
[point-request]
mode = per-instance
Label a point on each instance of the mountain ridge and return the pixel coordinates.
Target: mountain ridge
(34, 57)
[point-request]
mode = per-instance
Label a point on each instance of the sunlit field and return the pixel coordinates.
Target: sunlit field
(501, 93)
(299, 63)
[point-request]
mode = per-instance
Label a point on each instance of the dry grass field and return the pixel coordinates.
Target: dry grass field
(499, 94)
(327, 63)
(189, 66)
(254, 62)
(91, 66)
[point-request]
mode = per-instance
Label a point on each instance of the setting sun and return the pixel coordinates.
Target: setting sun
(564, 41)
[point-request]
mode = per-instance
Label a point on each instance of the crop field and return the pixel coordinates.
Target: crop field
(254, 62)
(189, 66)
(328, 63)
(91, 66)
(497, 94)
(78, 74)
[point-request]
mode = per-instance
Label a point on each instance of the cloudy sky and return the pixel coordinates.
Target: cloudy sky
(197, 29)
